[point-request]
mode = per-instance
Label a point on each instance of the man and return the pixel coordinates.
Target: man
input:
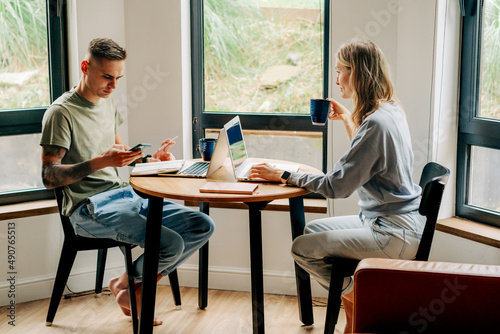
(81, 148)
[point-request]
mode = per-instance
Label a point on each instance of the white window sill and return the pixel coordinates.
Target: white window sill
(36, 208)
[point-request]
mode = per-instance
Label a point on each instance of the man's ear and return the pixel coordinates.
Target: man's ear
(84, 66)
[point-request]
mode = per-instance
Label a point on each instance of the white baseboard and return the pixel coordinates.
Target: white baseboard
(223, 278)
(34, 288)
(238, 279)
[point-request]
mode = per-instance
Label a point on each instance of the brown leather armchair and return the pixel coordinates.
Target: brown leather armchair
(400, 296)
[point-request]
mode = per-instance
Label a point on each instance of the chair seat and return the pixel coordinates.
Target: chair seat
(84, 243)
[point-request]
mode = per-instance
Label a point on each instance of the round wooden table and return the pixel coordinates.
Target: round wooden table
(156, 188)
(187, 188)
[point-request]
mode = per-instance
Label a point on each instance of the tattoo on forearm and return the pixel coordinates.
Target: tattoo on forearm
(54, 174)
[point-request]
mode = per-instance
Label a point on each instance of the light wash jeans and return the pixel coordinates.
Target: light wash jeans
(356, 237)
(120, 214)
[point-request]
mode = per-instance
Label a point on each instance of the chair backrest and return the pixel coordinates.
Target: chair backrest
(69, 232)
(432, 181)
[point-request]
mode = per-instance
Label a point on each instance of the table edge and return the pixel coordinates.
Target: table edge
(231, 198)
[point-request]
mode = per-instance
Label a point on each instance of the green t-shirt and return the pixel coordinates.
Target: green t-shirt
(85, 130)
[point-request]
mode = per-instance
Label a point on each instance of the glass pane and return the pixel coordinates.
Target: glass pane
(303, 147)
(24, 75)
(484, 182)
(24, 169)
(263, 56)
(490, 61)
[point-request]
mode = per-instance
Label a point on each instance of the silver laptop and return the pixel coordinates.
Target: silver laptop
(238, 152)
(205, 168)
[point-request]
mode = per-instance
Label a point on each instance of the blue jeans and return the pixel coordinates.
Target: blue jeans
(356, 237)
(120, 214)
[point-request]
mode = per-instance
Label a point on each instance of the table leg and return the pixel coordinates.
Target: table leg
(302, 278)
(256, 267)
(203, 267)
(150, 267)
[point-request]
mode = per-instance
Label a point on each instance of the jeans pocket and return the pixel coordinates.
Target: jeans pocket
(391, 240)
(396, 246)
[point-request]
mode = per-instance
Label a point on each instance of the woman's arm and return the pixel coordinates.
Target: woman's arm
(357, 166)
(339, 112)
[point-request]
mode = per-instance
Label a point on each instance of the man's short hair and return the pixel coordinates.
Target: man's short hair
(105, 48)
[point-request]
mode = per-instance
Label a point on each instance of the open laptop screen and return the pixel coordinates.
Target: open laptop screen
(236, 144)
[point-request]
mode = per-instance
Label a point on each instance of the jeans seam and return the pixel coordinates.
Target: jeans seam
(377, 240)
(403, 249)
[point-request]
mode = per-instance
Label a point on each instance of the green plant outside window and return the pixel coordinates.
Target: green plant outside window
(263, 56)
(32, 71)
(478, 158)
(490, 61)
(24, 74)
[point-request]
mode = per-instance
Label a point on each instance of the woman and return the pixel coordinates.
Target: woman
(378, 165)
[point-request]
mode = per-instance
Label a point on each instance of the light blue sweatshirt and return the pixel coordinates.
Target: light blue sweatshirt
(378, 165)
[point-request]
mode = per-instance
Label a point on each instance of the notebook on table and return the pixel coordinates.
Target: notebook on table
(238, 153)
(229, 188)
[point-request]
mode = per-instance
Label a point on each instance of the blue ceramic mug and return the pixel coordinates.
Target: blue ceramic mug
(319, 111)
(207, 146)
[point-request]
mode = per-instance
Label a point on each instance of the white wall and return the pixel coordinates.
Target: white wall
(154, 86)
(154, 98)
(415, 71)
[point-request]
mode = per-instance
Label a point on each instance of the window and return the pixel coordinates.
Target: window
(32, 74)
(262, 60)
(478, 176)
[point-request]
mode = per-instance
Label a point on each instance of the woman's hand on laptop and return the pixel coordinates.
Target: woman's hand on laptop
(265, 171)
(163, 154)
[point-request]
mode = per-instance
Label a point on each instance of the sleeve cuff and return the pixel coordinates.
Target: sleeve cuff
(293, 179)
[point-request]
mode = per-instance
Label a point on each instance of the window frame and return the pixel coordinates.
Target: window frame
(252, 121)
(473, 130)
(29, 120)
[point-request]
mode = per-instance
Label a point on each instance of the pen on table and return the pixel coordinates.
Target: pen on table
(165, 145)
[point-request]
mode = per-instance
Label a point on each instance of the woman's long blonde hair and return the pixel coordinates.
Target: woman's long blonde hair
(370, 77)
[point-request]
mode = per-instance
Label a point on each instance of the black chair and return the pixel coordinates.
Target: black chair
(433, 180)
(73, 243)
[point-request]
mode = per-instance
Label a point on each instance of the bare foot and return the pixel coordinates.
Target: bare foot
(119, 288)
(123, 300)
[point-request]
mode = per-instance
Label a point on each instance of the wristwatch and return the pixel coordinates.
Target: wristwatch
(145, 159)
(284, 177)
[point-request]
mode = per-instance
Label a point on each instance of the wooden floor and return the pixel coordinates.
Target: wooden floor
(227, 312)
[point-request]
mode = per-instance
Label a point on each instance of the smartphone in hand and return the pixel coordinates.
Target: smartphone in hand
(140, 147)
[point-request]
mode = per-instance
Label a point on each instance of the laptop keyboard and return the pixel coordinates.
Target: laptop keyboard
(244, 173)
(198, 168)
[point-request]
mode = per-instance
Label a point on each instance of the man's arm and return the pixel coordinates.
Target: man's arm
(55, 174)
